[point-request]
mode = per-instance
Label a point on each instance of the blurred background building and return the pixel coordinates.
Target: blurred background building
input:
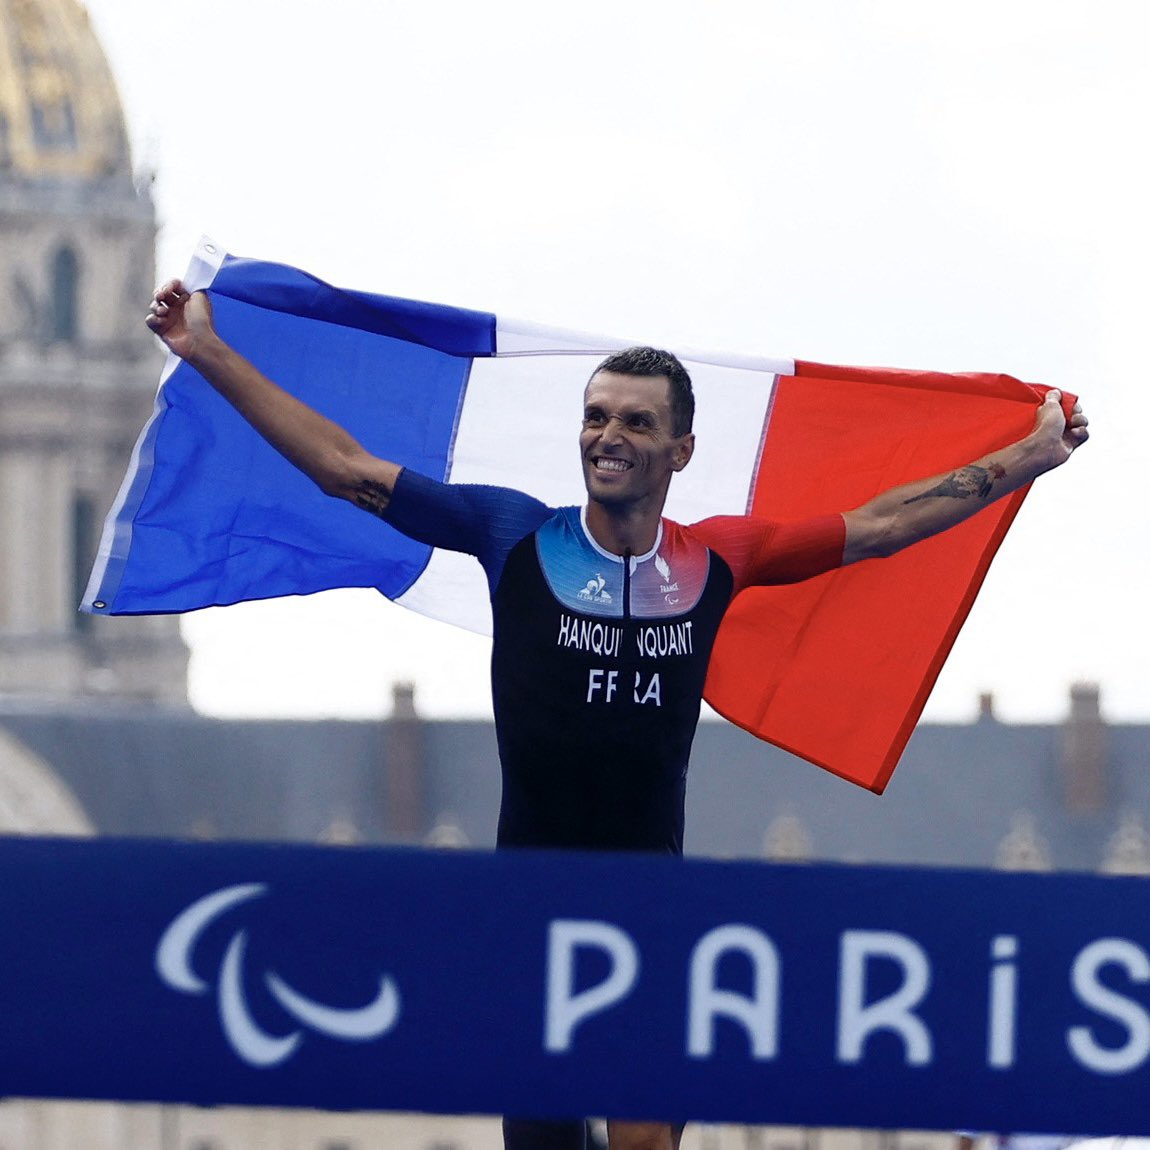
(96, 736)
(77, 234)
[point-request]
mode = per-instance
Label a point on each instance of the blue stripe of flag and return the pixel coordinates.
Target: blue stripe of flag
(456, 331)
(215, 516)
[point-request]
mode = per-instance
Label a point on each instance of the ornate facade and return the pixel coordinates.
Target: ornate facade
(77, 368)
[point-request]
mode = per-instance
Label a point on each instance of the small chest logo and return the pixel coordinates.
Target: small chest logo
(667, 588)
(595, 591)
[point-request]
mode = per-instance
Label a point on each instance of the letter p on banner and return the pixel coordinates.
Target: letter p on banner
(566, 1009)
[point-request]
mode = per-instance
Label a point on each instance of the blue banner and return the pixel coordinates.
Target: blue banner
(558, 985)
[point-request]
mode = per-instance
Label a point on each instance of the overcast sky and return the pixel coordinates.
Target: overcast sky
(954, 186)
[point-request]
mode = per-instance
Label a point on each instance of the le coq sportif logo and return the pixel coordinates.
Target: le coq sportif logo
(175, 964)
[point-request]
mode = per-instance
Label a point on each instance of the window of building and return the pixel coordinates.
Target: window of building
(65, 296)
(54, 125)
(85, 538)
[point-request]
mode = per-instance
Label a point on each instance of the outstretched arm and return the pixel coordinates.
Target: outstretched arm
(321, 449)
(904, 515)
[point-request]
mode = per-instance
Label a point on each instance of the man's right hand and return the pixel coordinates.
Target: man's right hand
(322, 450)
(182, 321)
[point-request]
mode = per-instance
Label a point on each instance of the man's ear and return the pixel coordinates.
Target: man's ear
(684, 449)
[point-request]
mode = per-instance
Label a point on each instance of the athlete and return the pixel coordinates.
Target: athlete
(604, 616)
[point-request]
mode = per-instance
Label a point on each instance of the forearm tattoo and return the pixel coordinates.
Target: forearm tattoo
(372, 496)
(962, 484)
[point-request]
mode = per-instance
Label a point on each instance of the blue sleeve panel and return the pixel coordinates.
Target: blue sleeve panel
(482, 521)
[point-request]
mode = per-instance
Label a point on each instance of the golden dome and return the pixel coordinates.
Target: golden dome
(60, 114)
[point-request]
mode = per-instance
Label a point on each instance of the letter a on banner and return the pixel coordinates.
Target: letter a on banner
(758, 1014)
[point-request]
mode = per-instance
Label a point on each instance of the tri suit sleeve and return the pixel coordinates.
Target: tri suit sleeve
(479, 520)
(761, 552)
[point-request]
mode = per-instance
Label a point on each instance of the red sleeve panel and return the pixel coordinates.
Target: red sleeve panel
(761, 552)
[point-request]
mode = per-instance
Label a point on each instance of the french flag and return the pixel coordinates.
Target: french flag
(836, 669)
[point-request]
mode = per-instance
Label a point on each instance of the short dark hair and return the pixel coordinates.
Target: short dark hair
(651, 361)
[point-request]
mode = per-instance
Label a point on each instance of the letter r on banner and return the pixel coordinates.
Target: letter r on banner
(567, 1009)
(858, 1021)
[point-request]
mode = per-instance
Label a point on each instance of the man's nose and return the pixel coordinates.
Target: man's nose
(612, 432)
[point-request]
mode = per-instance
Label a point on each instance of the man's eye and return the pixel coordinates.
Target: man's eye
(592, 419)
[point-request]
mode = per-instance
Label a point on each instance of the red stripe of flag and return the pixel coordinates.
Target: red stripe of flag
(839, 668)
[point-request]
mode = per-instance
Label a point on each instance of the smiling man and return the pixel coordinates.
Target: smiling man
(604, 616)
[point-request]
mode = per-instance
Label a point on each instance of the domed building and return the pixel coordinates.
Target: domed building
(77, 368)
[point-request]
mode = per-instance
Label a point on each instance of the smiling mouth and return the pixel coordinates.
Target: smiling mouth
(603, 464)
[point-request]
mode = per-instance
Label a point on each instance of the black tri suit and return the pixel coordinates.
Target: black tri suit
(599, 660)
(598, 665)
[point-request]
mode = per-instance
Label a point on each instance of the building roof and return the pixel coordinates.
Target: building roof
(959, 791)
(60, 113)
(976, 794)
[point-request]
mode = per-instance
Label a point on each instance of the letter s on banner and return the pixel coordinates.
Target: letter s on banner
(1084, 979)
(856, 1021)
(566, 1009)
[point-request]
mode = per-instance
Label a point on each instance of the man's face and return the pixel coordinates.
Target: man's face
(628, 443)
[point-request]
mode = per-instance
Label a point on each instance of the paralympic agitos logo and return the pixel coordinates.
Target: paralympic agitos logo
(175, 960)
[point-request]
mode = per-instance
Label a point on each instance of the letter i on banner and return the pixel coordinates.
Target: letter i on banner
(1003, 1002)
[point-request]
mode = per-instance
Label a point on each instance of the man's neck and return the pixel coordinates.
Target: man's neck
(623, 530)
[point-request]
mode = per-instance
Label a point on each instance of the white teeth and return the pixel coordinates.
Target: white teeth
(611, 465)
